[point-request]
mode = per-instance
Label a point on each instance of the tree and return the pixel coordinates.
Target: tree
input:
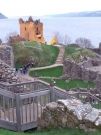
(66, 40)
(84, 42)
(59, 38)
(62, 39)
(9, 37)
(54, 41)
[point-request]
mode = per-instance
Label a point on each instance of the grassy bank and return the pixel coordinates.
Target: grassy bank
(48, 72)
(51, 132)
(69, 84)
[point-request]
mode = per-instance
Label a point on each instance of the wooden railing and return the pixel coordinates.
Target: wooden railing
(24, 87)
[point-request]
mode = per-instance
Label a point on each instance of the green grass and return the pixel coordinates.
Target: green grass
(48, 72)
(69, 84)
(56, 72)
(98, 105)
(70, 49)
(66, 131)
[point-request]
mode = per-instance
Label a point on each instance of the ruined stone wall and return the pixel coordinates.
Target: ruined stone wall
(7, 70)
(6, 55)
(97, 50)
(7, 74)
(79, 71)
(98, 83)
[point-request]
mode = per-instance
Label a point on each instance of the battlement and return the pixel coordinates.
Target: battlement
(29, 20)
(31, 30)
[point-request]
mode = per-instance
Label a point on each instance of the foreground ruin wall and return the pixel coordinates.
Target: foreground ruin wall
(70, 113)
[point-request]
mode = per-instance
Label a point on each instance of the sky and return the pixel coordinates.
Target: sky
(12, 8)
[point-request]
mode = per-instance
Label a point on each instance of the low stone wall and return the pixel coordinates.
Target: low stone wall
(70, 113)
(6, 55)
(96, 50)
(79, 71)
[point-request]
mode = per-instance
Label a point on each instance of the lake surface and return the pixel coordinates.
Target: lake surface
(74, 27)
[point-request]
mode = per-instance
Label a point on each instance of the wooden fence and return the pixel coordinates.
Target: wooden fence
(20, 112)
(21, 105)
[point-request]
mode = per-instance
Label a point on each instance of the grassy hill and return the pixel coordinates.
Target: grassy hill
(75, 53)
(40, 55)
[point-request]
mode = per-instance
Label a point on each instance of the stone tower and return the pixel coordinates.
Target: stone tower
(31, 30)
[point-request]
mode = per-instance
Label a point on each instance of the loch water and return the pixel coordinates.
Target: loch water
(74, 27)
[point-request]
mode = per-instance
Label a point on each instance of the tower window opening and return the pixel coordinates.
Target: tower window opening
(37, 31)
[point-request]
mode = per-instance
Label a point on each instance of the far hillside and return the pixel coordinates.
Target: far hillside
(80, 14)
(32, 52)
(2, 16)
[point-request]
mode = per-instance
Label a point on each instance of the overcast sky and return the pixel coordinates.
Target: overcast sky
(13, 8)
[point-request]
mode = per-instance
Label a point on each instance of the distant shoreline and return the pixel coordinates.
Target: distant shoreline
(79, 14)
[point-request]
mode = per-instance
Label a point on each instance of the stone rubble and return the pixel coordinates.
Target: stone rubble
(7, 73)
(6, 55)
(70, 113)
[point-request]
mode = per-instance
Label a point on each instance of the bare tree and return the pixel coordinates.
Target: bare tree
(84, 42)
(59, 37)
(8, 37)
(62, 39)
(66, 40)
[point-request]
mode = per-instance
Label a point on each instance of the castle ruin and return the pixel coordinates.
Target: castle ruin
(31, 30)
